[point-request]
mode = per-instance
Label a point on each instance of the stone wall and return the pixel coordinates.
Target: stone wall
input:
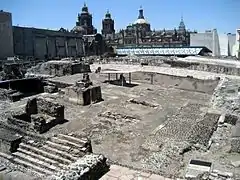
(6, 35)
(57, 68)
(83, 96)
(40, 43)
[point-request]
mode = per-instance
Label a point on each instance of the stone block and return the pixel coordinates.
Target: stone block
(231, 119)
(46, 106)
(50, 89)
(9, 141)
(235, 144)
(39, 123)
(78, 95)
(96, 94)
(31, 107)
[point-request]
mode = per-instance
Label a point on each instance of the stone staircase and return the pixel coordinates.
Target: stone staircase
(52, 156)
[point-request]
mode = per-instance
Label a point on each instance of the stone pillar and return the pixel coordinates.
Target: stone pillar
(214, 42)
(130, 78)
(76, 47)
(151, 78)
(238, 44)
(66, 47)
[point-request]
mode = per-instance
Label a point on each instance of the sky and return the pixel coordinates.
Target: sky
(198, 15)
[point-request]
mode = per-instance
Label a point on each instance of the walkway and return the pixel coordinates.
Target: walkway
(122, 173)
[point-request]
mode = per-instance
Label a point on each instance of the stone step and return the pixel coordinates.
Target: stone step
(73, 139)
(58, 146)
(45, 154)
(67, 143)
(35, 161)
(32, 166)
(6, 156)
(63, 154)
(42, 158)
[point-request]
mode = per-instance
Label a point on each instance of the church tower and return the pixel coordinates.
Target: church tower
(182, 26)
(85, 21)
(108, 30)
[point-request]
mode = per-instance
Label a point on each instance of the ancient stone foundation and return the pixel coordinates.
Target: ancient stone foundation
(235, 140)
(9, 141)
(83, 96)
(90, 167)
(57, 68)
(40, 115)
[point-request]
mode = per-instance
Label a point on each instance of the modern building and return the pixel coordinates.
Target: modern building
(6, 35)
(219, 44)
(237, 45)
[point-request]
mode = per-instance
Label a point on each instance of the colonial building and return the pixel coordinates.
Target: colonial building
(6, 35)
(140, 34)
(84, 24)
(108, 30)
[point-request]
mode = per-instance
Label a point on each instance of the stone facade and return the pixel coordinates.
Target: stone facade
(140, 34)
(6, 36)
(43, 43)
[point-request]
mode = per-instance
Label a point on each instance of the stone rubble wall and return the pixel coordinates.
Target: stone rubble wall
(91, 167)
(175, 63)
(83, 96)
(57, 68)
(47, 106)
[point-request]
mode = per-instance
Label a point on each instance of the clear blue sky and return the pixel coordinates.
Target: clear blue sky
(198, 14)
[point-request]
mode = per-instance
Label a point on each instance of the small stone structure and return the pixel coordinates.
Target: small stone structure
(83, 92)
(91, 166)
(9, 141)
(40, 115)
(58, 68)
(235, 140)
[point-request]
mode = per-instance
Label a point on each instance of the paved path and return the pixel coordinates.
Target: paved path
(122, 173)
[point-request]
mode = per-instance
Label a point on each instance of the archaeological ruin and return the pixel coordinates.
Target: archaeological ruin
(122, 118)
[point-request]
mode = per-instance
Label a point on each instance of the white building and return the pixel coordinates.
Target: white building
(219, 44)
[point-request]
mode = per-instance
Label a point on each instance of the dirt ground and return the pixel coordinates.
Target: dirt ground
(150, 137)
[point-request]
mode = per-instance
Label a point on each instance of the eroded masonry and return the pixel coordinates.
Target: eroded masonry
(122, 118)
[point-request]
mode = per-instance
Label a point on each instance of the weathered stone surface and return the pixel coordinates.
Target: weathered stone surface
(235, 144)
(96, 94)
(9, 141)
(90, 166)
(31, 107)
(57, 68)
(50, 89)
(46, 106)
(39, 123)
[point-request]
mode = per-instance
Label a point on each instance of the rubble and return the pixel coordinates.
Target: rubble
(57, 68)
(144, 103)
(91, 166)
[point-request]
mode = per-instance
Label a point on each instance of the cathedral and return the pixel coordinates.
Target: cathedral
(84, 24)
(139, 33)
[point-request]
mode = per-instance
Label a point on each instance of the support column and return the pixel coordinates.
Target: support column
(109, 77)
(151, 78)
(116, 76)
(130, 78)
(76, 47)
(66, 47)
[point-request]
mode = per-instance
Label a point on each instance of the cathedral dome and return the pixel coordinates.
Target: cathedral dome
(141, 21)
(78, 29)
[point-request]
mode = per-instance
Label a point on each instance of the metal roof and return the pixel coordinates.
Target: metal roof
(161, 51)
(117, 72)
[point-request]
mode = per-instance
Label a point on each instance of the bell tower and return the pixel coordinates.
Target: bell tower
(108, 30)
